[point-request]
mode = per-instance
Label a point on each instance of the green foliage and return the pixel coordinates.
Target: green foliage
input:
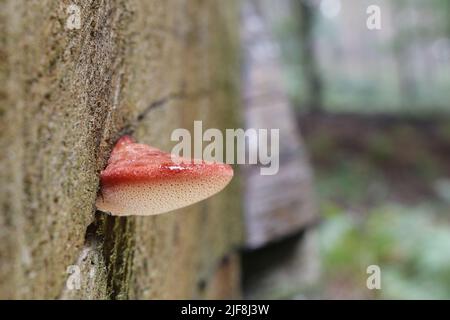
(410, 245)
(365, 220)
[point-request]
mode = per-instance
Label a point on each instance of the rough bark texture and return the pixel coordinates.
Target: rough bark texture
(143, 67)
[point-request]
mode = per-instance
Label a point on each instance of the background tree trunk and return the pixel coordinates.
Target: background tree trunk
(140, 67)
(310, 63)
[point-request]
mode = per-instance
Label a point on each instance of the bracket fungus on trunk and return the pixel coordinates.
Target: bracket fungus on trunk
(142, 180)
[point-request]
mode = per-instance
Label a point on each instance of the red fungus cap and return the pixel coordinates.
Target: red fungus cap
(142, 180)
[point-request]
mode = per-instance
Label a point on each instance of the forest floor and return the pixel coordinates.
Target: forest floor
(383, 184)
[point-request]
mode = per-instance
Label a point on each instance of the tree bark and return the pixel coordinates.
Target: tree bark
(139, 67)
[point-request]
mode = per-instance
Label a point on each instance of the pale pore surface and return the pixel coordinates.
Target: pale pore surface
(139, 198)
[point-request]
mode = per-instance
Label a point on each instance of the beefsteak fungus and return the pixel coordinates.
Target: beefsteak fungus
(142, 180)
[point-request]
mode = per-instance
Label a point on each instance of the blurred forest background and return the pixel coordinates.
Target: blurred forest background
(373, 107)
